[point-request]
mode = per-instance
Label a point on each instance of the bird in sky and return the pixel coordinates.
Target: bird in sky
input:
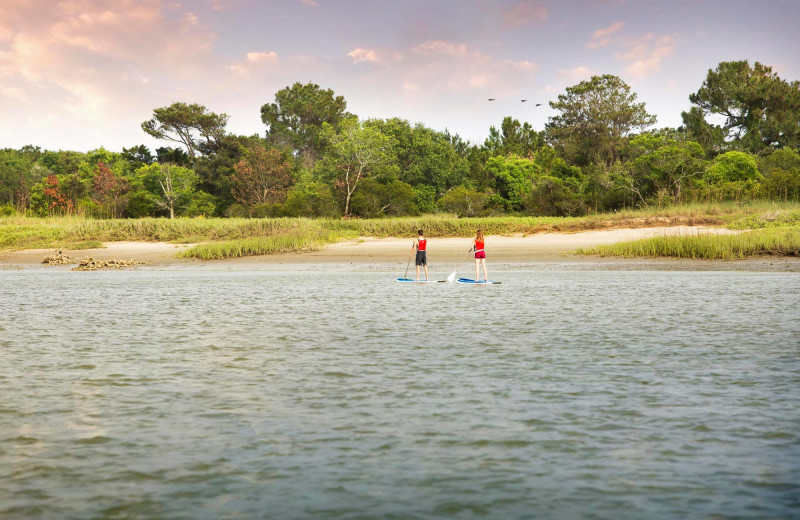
(491, 99)
(538, 104)
(524, 100)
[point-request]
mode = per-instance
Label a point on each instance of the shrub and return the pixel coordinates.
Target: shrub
(464, 202)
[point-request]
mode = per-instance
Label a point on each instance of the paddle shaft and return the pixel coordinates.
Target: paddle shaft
(461, 264)
(409, 260)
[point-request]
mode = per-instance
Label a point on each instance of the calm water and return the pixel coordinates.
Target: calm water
(186, 394)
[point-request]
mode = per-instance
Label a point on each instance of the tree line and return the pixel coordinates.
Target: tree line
(599, 152)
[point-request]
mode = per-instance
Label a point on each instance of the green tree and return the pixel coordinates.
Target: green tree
(596, 117)
(781, 171)
(170, 187)
(294, 121)
(758, 110)
(733, 167)
(464, 202)
(311, 199)
(424, 156)
(375, 199)
(193, 126)
(663, 166)
(354, 151)
(555, 196)
(513, 176)
(514, 138)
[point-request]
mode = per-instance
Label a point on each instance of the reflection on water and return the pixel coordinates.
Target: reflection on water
(346, 395)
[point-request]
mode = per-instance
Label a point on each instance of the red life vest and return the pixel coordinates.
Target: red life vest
(479, 245)
(422, 244)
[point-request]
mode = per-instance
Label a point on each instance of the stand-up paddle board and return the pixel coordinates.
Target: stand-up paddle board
(415, 281)
(469, 280)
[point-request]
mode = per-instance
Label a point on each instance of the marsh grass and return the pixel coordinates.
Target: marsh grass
(282, 243)
(782, 241)
(239, 237)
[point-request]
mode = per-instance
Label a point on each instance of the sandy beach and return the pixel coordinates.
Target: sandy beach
(539, 251)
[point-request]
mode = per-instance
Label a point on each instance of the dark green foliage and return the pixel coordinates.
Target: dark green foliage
(555, 196)
(314, 199)
(192, 125)
(425, 198)
(294, 121)
(464, 202)
(759, 110)
(596, 117)
(739, 142)
(781, 171)
(374, 199)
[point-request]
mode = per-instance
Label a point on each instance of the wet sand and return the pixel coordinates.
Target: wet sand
(538, 252)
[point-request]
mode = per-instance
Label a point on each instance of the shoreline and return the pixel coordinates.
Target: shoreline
(541, 251)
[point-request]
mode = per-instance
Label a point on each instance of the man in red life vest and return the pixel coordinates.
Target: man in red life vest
(422, 253)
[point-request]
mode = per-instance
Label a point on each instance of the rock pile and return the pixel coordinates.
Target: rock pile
(90, 264)
(57, 259)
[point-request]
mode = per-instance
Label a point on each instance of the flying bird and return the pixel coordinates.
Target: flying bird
(524, 100)
(491, 99)
(538, 104)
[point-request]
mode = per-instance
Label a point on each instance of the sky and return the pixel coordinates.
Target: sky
(84, 74)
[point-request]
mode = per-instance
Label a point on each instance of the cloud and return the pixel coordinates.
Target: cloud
(311, 3)
(439, 67)
(261, 57)
(83, 61)
(644, 54)
(577, 74)
(526, 12)
(360, 55)
(434, 47)
(601, 36)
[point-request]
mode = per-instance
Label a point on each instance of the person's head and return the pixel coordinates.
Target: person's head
(479, 235)
(420, 232)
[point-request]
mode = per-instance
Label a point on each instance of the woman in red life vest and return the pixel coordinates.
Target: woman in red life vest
(422, 253)
(480, 255)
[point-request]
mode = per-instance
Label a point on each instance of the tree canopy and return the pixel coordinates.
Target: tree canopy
(758, 110)
(595, 118)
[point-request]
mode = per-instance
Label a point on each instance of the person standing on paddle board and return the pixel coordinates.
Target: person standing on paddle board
(480, 254)
(422, 253)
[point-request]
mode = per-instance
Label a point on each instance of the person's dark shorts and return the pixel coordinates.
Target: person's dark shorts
(480, 254)
(422, 258)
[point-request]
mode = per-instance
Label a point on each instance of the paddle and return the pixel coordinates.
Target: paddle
(452, 276)
(405, 276)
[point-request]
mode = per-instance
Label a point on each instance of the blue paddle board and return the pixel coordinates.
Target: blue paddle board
(415, 281)
(469, 280)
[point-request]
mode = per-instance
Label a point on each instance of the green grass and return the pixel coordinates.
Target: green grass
(225, 238)
(283, 243)
(782, 241)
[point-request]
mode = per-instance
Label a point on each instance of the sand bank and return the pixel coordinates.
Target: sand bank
(539, 251)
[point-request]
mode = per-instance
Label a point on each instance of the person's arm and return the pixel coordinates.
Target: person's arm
(413, 247)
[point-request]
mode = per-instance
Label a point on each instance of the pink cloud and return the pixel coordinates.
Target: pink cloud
(577, 74)
(644, 54)
(261, 57)
(311, 3)
(526, 12)
(437, 67)
(360, 55)
(85, 61)
(601, 36)
(433, 47)
(611, 29)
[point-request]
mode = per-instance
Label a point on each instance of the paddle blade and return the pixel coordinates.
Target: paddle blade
(452, 277)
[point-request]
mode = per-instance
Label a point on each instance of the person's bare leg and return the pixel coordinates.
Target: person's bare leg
(485, 274)
(417, 272)
(426, 272)
(476, 269)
